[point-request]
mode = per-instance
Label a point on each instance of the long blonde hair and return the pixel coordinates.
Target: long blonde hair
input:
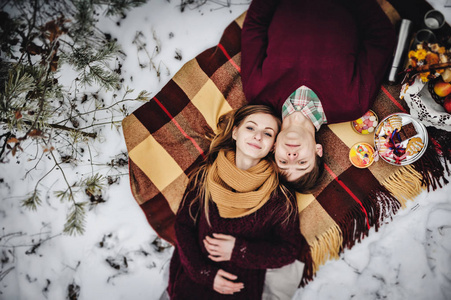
(223, 140)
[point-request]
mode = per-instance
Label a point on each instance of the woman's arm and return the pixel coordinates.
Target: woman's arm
(221, 248)
(278, 248)
(264, 254)
(198, 267)
(254, 41)
(195, 264)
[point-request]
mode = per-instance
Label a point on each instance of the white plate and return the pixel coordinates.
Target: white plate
(421, 133)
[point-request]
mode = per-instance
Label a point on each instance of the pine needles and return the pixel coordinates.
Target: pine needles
(41, 40)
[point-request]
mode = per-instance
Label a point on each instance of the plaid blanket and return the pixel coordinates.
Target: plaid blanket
(165, 138)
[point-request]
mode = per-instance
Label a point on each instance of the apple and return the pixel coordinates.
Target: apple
(442, 89)
(447, 104)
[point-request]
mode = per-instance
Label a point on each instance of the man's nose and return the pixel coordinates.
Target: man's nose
(292, 155)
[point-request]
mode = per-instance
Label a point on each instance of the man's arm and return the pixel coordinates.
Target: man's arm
(254, 41)
(378, 40)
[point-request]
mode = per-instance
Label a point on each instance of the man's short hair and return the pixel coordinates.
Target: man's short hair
(309, 181)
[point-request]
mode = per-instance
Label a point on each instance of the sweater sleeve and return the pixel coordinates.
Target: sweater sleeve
(378, 39)
(254, 41)
(197, 265)
(282, 249)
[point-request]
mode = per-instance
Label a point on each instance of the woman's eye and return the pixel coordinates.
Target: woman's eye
(302, 162)
(249, 128)
(268, 134)
(282, 162)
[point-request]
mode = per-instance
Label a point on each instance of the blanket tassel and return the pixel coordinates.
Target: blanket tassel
(435, 160)
(324, 247)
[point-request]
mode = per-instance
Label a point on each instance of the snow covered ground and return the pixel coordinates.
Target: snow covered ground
(119, 256)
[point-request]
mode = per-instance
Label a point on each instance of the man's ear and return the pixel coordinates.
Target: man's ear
(319, 150)
(273, 149)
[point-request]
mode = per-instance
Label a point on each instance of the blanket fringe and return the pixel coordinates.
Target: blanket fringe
(354, 226)
(326, 246)
(405, 184)
(435, 160)
(308, 273)
(441, 141)
(386, 204)
(379, 205)
(426, 173)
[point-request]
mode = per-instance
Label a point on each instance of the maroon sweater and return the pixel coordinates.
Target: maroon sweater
(262, 242)
(338, 48)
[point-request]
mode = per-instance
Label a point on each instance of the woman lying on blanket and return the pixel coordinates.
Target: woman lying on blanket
(236, 220)
(314, 62)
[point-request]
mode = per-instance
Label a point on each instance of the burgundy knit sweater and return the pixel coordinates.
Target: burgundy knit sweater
(262, 242)
(340, 49)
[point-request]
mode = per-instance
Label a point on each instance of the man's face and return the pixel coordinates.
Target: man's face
(295, 153)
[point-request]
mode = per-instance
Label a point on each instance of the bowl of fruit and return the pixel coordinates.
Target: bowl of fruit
(430, 106)
(427, 85)
(441, 93)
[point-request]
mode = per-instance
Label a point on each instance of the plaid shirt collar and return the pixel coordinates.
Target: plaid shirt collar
(307, 102)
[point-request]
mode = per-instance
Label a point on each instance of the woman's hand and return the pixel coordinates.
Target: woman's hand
(223, 284)
(220, 246)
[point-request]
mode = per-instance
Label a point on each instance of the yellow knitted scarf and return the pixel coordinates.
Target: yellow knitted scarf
(237, 192)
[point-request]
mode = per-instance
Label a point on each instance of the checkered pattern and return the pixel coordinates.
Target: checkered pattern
(307, 102)
(165, 139)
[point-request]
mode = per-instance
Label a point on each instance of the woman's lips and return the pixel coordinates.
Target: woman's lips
(255, 146)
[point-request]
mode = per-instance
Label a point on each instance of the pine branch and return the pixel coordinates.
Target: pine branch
(143, 96)
(70, 194)
(62, 127)
(119, 7)
(94, 184)
(76, 220)
(33, 102)
(83, 133)
(33, 201)
(6, 136)
(4, 273)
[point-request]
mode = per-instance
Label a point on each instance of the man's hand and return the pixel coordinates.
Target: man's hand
(220, 246)
(223, 284)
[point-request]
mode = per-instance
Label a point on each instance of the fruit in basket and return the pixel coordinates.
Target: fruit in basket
(447, 104)
(442, 89)
(446, 75)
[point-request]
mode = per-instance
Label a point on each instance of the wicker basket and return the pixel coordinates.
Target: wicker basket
(425, 105)
(437, 99)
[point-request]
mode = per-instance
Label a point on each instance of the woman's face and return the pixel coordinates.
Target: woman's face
(255, 136)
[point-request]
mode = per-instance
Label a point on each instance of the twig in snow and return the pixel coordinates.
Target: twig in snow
(4, 273)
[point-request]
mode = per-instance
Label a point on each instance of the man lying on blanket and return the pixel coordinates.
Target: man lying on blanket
(315, 62)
